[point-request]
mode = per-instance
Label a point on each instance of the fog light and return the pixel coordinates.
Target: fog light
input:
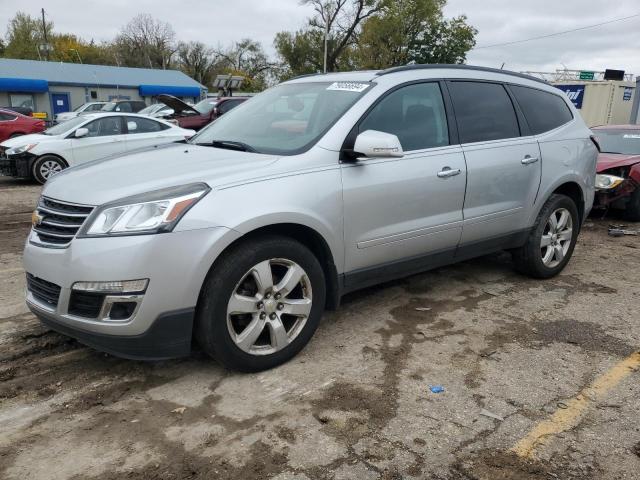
(124, 286)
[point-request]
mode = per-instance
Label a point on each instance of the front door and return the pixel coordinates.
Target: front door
(404, 214)
(504, 166)
(106, 137)
(60, 103)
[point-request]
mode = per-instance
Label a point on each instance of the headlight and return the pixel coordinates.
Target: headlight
(153, 212)
(21, 149)
(607, 182)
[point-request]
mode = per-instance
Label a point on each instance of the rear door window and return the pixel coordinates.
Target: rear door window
(105, 127)
(415, 114)
(484, 111)
(544, 111)
(144, 125)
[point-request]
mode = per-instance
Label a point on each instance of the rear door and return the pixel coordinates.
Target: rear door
(146, 132)
(404, 213)
(503, 163)
(106, 137)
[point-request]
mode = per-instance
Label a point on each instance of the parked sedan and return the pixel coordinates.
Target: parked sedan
(14, 124)
(618, 179)
(88, 107)
(83, 139)
(202, 113)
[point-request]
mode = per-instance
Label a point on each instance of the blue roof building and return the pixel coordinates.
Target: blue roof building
(55, 87)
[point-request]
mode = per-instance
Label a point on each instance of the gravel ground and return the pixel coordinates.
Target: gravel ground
(356, 404)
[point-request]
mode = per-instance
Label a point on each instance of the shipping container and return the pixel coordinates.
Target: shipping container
(601, 102)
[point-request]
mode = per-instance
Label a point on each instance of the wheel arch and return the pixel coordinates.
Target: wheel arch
(58, 156)
(307, 236)
(570, 187)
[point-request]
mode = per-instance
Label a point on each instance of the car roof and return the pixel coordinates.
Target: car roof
(617, 127)
(92, 116)
(427, 71)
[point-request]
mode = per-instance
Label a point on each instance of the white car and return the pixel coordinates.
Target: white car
(157, 110)
(83, 139)
(84, 108)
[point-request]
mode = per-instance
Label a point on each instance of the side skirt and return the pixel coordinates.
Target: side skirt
(366, 277)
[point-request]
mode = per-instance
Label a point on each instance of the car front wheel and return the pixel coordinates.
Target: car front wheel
(46, 167)
(552, 239)
(261, 303)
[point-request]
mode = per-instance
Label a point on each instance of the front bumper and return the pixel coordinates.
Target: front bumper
(176, 265)
(19, 166)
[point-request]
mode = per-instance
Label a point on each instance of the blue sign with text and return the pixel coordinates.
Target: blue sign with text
(626, 96)
(574, 92)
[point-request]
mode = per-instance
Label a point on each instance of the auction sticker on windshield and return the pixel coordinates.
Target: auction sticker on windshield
(348, 86)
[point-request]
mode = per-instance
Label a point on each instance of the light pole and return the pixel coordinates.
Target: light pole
(77, 53)
(326, 35)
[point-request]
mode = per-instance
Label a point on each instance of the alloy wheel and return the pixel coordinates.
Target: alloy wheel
(49, 168)
(269, 306)
(556, 238)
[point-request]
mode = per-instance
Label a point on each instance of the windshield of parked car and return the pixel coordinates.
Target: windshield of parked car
(626, 142)
(65, 126)
(151, 109)
(284, 120)
(80, 108)
(108, 107)
(206, 105)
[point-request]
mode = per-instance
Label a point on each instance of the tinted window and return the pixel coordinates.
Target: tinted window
(484, 111)
(144, 125)
(123, 107)
(415, 114)
(5, 116)
(104, 127)
(228, 105)
(544, 111)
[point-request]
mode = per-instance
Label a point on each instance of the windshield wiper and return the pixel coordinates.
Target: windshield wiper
(232, 145)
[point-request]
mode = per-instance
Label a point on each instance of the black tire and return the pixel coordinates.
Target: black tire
(528, 258)
(42, 164)
(632, 210)
(211, 330)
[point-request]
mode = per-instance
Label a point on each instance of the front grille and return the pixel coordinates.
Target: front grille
(85, 304)
(43, 291)
(59, 222)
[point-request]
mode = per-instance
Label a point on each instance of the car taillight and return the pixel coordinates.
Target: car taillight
(594, 139)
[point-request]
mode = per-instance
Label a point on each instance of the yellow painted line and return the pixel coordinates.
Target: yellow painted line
(569, 417)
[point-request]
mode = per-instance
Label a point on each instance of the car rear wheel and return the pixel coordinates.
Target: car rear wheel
(551, 242)
(261, 304)
(46, 167)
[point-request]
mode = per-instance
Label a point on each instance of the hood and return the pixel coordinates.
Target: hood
(26, 139)
(615, 160)
(178, 105)
(169, 165)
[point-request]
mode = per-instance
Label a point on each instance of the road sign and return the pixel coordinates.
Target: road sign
(587, 75)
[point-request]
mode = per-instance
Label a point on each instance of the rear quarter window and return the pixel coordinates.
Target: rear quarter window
(544, 111)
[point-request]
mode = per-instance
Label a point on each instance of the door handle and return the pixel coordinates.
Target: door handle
(529, 159)
(447, 172)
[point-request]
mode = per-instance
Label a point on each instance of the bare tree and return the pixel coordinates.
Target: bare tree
(145, 41)
(342, 20)
(196, 60)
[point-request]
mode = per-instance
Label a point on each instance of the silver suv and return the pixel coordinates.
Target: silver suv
(241, 237)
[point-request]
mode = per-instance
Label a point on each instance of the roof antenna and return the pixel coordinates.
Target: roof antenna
(502, 67)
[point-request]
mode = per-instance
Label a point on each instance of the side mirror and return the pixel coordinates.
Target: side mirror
(132, 126)
(375, 144)
(81, 132)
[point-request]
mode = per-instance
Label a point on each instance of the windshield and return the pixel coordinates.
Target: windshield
(80, 108)
(284, 120)
(108, 106)
(626, 142)
(151, 109)
(65, 126)
(206, 105)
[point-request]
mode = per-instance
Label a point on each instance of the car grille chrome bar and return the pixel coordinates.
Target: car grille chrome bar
(58, 222)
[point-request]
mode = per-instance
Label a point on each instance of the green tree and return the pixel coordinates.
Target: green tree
(24, 36)
(248, 59)
(408, 31)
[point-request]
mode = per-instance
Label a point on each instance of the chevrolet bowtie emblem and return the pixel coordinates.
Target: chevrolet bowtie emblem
(36, 219)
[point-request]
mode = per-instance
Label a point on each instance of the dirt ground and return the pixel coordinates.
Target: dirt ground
(511, 353)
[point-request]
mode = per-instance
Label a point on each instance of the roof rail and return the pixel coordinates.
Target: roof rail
(304, 75)
(433, 66)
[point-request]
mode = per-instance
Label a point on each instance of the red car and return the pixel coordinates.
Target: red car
(202, 113)
(13, 124)
(618, 179)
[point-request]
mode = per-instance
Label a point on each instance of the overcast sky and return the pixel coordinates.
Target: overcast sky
(216, 22)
